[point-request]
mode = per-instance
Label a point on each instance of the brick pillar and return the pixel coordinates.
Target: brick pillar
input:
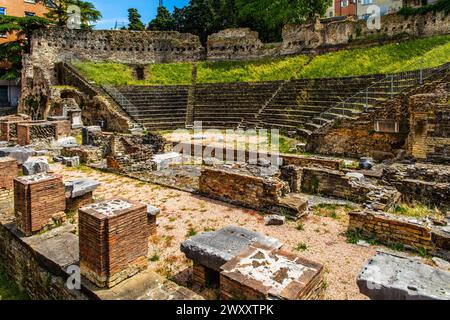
(37, 199)
(113, 239)
(23, 134)
(8, 171)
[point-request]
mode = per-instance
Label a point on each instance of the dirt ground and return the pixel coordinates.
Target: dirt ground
(318, 238)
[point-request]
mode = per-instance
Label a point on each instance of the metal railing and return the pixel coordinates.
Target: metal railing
(391, 85)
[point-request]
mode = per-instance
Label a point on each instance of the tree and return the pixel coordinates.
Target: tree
(268, 16)
(59, 12)
(201, 19)
(11, 52)
(163, 21)
(134, 19)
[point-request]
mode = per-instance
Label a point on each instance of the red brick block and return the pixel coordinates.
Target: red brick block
(260, 273)
(37, 199)
(113, 237)
(8, 171)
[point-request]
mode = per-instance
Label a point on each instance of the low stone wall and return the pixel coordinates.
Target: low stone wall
(337, 184)
(238, 44)
(238, 155)
(239, 188)
(31, 132)
(392, 229)
(424, 183)
(39, 277)
(8, 126)
(350, 32)
(429, 137)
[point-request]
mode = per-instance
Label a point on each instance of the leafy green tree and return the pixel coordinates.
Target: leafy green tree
(163, 21)
(59, 14)
(134, 19)
(201, 19)
(11, 52)
(268, 17)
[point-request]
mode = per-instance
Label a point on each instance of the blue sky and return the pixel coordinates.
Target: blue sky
(117, 10)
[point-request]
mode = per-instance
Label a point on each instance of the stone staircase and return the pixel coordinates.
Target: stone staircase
(156, 107)
(301, 106)
(229, 105)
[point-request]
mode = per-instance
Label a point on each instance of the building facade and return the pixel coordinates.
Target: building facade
(345, 7)
(21, 8)
(386, 7)
(10, 90)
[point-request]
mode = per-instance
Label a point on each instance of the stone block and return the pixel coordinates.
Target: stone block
(37, 199)
(79, 187)
(152, 213)
(71, 161)
(274, 220)
(86, 131)
(213, 249)
(162, 161)
(19, 153)
(79, 193)
(387, 276)
(35, 166)
(259, 273)
(113, 240)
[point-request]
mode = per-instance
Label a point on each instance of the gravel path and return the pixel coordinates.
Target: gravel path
(184, 214)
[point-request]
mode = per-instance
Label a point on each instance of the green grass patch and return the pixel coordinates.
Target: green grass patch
(415, 211)
(253, 71)
(331, 210)
(409, 55)
(9, 290)
(122, 74)
(301, 246)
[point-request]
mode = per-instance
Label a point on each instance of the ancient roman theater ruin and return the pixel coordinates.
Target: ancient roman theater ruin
(113, 191)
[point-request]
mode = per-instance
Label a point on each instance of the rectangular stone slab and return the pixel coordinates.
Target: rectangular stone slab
(214, 249)
(388, 276)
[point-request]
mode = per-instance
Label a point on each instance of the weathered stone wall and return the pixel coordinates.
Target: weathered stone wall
(252, 191)
(133, 153)
(336, 184)
(423, 183)
(61, 44)
(39, 277)
(429, 137)
(238, 44)
(317, 35)
(356, 138)
(392, 229)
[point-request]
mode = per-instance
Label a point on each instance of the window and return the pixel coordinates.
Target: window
(344, 3)
(2, 11)
(29, 14)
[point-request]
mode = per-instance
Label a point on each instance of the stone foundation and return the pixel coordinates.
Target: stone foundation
(336, 184)
(37, 199)
(392, 229)
(424, 183)
(28, 133)
(8, 126)
(8, 171)
(268, 194)
(113, 241)
(87, 154)
(259, 273)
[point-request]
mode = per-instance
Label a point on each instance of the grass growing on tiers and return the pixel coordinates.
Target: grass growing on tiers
(390, 58)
